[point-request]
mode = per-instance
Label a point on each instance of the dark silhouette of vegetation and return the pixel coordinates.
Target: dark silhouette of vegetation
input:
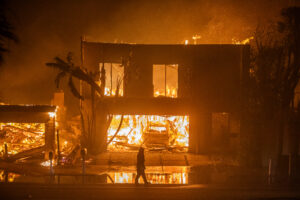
(6, 30)
(274, 75)
(68, 69)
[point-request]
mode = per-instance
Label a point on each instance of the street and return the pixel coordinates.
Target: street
(130, 191)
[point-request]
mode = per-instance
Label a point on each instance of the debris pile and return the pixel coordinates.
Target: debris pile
(20, 137)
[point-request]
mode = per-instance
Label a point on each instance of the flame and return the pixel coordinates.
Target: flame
(22, 136)
(171, 92)
(51, 114)
(245, 41)
(186, 42)
(47, 163)
(149, 130)
(109, 92)
(196, 37)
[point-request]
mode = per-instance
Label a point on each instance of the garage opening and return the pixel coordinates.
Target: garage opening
(153, 132)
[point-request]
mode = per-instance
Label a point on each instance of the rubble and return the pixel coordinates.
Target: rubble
(20, 137)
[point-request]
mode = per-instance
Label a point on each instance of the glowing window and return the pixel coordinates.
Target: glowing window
(165, 80)
(114, 73)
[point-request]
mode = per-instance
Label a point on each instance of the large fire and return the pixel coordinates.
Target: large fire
(170, 92)
(21, 136)
(233, 40)
(152, 131)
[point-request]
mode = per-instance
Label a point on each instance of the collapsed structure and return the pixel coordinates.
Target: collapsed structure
(165, 97)
(27, 130)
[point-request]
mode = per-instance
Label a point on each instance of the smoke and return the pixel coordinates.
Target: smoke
(53, 28)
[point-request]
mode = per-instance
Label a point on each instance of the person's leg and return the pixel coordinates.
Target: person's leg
(137, 178)
(144, 177)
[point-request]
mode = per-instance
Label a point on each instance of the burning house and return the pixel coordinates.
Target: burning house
(180, 98)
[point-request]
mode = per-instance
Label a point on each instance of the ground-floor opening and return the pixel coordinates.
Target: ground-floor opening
(153, 132)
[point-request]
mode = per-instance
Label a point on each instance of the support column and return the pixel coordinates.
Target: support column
(101, 129)
(200, 133)
(95, 124)
(50, 136)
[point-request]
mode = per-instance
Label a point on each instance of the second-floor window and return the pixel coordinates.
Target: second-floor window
(114, 73)
(165, 80)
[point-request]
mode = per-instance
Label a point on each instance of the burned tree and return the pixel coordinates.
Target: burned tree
(274, 75)
(6, 30)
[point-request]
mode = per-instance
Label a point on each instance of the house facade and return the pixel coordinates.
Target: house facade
(156, 87)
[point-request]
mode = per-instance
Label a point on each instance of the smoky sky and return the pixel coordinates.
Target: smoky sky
(53, 28)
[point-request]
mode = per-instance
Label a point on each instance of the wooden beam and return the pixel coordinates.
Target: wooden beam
(24, 117)
(147, 106)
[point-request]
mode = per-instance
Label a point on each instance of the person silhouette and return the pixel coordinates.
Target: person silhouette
(140, 166)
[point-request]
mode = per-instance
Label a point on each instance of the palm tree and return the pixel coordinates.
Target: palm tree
(68, 68)
(275, 75)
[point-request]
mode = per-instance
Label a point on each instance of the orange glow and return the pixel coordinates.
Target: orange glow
(10, 176)
(152, 131)
(196, 37)
(109, 92)
(245, 41)
(171, 92)
(153, 178)
(21, 136)
(47, 163)
(51, 114)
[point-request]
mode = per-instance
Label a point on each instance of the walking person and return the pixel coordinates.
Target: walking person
(140, 166)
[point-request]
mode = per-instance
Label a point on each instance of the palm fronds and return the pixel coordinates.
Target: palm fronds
(68, 67)
(73, 89)
(6, 31)
(58, 77)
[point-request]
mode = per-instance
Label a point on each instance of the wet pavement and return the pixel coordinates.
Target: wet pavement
(111, 176)
(112, 168)
(126, 174)
(155, 159)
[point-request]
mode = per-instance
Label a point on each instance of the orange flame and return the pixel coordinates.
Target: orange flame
(137, 130)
